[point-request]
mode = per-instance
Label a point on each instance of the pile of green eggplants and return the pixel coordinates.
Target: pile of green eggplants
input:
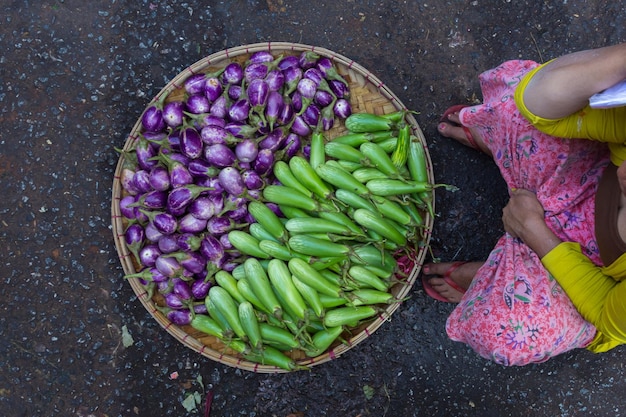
(256, 229)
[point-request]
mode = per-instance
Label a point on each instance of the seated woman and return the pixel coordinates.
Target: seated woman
(554, 281)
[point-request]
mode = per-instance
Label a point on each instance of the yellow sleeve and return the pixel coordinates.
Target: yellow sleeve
(599, 298)
(618, 153)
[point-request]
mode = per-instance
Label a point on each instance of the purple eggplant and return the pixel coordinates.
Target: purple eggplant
(314, 75)
(168, 266)
(212, 249)
(260, 57)
(257, 93)
(235, 92)
(191, 224)
(246, 150)
(179, 174)
(233, 73)
(195, 84)
(230, 179)
(273, 140)
(274, 107)
(159, 178)
(191, 143)
(153, 200)
(342, 108)
(145, 152)
(202, 208)
(152, 119)
(197, 104)
(188, 242)
(134, 236)
(293, 145)
(126, 180)
(311, 116)
(327, 117)
(168, 244)
(341, 90)
(255, 71)
(240, 110)
(288, 62)
(275, 80)
(241, 130)
(149, 254)
(173, 300)
(219, 108)
(293, 75)
(217, 226)
(181, 197)
(200, 288)
(296, 102)
(264, 161)
(152, 234)
(226, 243)
(307, 59)
(213, 89)
(286, 115)
(323, 98)
(180, 317)
(216, 134)
(252, 180)
(141, 181)
(326, 66)
(300, 127)
(199, 168)
(173, 113)
(127, 208)
(307, 88)
(219, 155)
(164, 222)
(193, 262)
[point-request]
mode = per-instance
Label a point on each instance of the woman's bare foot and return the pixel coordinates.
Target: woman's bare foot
(461, 274)
(453, 129)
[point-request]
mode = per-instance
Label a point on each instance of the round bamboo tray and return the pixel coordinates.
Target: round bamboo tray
(367, 94)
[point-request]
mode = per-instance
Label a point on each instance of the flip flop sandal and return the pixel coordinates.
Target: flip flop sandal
(446, 277)
(468, 134)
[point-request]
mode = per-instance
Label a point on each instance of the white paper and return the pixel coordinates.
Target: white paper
(611, 97)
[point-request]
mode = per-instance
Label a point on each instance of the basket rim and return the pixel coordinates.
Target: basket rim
(126, 257)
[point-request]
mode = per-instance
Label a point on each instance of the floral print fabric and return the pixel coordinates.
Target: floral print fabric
(515, 313)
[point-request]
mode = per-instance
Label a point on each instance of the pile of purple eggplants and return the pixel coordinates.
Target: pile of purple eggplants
(200, 159)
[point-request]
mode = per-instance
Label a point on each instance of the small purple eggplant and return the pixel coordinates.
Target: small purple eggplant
(195, 84)
(217, 226)
(257, 92)
(293, 75)
(191, 224)
(314, 75)
(252, 180)
(275, 80)
(286, 115)
(274, 107)
(149, 254)
(213, 89)
(159, 178)
(202, 208)
(197, 104)
(193, 262)
(307, 59)
(273, 140)
(241, 130)
(145, 152)
(230, 179)
(288, 62)
(199, 168)
(311, 116)
(180, 317)
(240, 110)
(179, 198)
(219, 108)
(233, 73)
(219, 155)
(191, 143)
(260, 57)
(141, 181)
(152, 234)
(200, 288)
(264, 161)
(246, 150)
(293, 145)
(164, 222)
(188, 242)
(127, 208)
(300, 127)
(323, 98)
(212, 249)
(153, 200)
(216, 134)
(342, 108)
(134, 236)
(168, 244)
(235, 92)
(340, 89)
(152, 119)
(174, 301)
(255, 71)
(173, 113)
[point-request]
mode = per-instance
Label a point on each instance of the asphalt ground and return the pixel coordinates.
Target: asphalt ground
(76, 76)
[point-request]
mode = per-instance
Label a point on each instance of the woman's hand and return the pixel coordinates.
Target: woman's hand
(523, 217)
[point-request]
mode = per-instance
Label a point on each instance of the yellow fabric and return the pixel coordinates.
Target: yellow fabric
(599, 293)
(603, 125)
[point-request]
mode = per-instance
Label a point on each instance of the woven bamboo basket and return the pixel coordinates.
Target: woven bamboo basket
(368, 94)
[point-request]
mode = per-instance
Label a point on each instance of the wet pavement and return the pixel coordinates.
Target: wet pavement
(76, 76)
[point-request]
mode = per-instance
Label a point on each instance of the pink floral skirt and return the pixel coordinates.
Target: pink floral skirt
(515, 313)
